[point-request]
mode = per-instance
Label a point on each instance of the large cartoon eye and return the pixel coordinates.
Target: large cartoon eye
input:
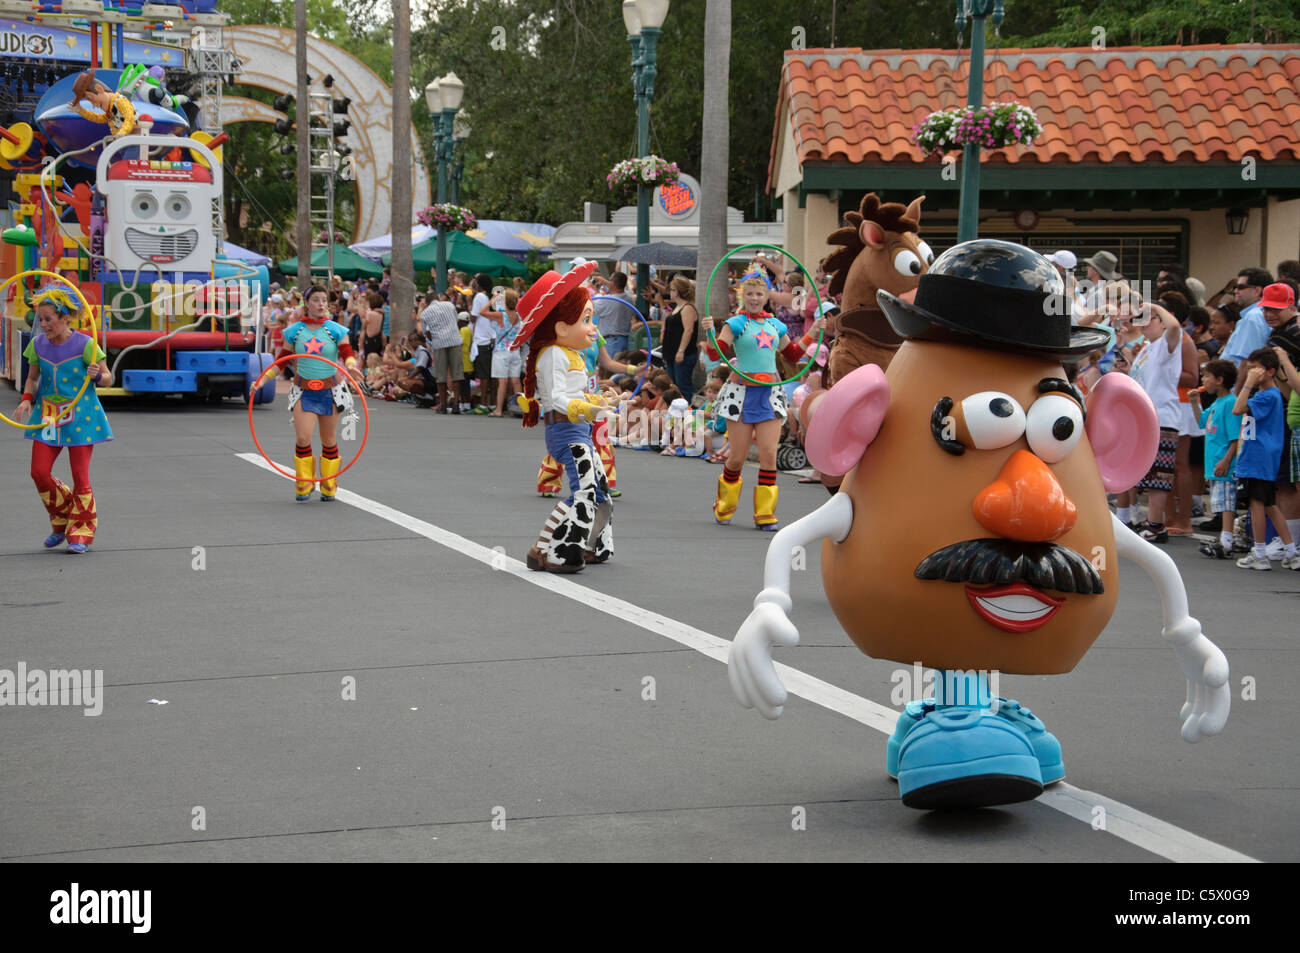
(1054, 426)
(144, 205)
(906, 263)
(926, 255)
(992, 419)
(178, 207)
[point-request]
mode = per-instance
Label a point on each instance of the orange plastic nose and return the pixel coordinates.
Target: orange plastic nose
(1025, 502)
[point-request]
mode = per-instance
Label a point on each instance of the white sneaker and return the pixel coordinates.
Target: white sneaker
(1292, 563)
(1275, 548)
(1252, 561)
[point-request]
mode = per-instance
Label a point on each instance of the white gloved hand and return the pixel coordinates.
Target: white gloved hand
(749, 663)
(1208, 696)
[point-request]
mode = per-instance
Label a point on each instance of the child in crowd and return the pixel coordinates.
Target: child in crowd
(1222, 431)
(466, 345)
(374, 374)
(715, 427)
(1259, 403)
(678, 429)
(388, 389)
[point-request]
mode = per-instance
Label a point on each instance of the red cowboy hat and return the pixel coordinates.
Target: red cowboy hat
(543, 296)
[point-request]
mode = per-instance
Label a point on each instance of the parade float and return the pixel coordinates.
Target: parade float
(116, 184)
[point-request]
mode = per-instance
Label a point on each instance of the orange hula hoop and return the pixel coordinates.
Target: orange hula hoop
(365, 434)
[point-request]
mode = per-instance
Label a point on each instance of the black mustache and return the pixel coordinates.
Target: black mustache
(1004, 561)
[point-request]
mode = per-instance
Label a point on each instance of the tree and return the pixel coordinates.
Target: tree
(715, 131)
(401, 293)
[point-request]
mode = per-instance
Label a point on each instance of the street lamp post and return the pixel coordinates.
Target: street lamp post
(977, 11)
(644, 21)
(443, 97)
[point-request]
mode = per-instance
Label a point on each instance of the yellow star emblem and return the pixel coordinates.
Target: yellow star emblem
(167, 57)
(70, 40)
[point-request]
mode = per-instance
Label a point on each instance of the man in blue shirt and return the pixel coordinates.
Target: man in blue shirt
(1252, 330)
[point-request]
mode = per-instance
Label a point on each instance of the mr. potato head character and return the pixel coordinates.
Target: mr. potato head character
(971, 533)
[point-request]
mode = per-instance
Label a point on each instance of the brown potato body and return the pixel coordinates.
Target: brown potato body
(911, 498)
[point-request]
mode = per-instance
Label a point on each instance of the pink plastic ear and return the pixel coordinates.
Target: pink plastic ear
(846, 419)
(872, 234)
(1123, 430)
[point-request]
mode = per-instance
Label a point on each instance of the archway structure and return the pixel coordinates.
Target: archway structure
(267, 56)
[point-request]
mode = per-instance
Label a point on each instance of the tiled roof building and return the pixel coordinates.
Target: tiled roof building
(1144, 149)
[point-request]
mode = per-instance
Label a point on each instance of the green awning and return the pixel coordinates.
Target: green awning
(463, 254)
(347, 264)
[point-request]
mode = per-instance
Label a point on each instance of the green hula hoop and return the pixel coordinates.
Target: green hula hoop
(713, 338)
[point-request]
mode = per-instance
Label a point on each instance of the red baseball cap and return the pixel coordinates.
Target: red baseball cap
(1277, 295)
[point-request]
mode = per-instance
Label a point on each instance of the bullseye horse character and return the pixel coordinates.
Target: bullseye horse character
(880, 250)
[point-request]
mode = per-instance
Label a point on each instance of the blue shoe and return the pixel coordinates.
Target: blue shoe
(959, 757)
(908, 719)
(76, 548)
(1046, 747)
(325, 499)
(767, 527)
(615, 494)
(53, 540)
(302, 498)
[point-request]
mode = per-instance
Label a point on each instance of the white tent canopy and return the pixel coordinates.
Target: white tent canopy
(376, 248)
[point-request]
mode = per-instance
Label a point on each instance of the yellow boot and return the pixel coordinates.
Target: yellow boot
(550, 478)
(765, 507)
(83, 519)
(304, 467)
(58, 502)
(329, 470)
(724, 507)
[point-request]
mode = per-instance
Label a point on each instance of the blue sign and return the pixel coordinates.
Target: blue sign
(20, 39)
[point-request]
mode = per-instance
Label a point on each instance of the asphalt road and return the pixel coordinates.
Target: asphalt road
(485, 694)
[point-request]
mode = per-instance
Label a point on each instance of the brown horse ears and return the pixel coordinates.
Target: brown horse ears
(873, 236)
(914, 209)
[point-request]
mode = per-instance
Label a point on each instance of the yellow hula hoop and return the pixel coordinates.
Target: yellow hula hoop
(94, 328)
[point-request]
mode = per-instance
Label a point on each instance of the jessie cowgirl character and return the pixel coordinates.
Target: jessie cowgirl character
(556, 318)
(60, 360)
(751, 341)
(550, 475)
(317, 394)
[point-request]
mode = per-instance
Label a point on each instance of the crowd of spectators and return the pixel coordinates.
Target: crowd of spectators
(1220, 369)
(1221, 372)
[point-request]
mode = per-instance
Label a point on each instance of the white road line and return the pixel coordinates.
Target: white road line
(1127, 823)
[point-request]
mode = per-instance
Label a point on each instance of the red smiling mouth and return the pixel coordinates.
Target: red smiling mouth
(1015, 608)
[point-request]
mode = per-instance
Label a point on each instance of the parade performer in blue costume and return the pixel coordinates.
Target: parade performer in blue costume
(60, 359)
(751, 341)
(317, 396)
(556, 318)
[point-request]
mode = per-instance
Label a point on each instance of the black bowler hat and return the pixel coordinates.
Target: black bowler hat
(993, 294)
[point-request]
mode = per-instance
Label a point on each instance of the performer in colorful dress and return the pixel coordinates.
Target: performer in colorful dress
(751, 340)
(550, 475)
(60, 360)
(556, 320)
(317, 396)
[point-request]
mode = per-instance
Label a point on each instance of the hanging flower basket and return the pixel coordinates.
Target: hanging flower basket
(323, 238)
(651, 171)
(989, 127)
(453, 218)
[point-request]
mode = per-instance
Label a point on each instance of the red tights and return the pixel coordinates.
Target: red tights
(43, 457)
